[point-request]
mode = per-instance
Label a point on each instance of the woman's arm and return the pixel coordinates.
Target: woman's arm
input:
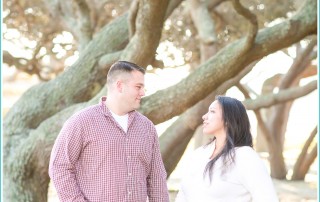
(254, 175)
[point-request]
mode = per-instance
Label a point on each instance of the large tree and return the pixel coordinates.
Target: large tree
(225, 38)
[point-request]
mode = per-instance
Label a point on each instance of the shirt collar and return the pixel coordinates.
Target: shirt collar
(107, 112)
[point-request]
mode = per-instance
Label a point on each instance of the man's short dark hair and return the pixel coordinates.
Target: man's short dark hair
(122, 67)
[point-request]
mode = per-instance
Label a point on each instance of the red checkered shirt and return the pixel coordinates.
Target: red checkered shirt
(94, 160)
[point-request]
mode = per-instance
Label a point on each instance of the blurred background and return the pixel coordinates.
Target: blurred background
(56, 55)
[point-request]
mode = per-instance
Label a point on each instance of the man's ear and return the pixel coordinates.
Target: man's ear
(119, 86)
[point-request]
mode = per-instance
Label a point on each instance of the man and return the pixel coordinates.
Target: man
(109, 151)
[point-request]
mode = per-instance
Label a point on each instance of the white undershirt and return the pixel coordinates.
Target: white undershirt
(122, 120)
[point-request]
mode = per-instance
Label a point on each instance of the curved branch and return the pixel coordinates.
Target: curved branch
(214, 3)
(108, 59)
(261, 122)
(12, 61)
(132, 17)
(75, 15)
(30, 67)
(83, 74)
(84, 22)
(253, 29)
(289, 94)
(203, 21)
(302, 164)
(143, 44)
(172, 5)
(113, 37)
(299, 65)
(224, 65)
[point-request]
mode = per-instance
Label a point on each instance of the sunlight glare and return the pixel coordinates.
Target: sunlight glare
(10, 34)
(169, 54)
(5, 13)
(167, 24)
(164, 78)
(260, 7)
(275, 63)
(28, 43)
(274, 22)
(70, 60)
(188, 33)
(65, 37)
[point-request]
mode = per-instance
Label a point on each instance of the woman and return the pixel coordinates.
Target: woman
(227, 169)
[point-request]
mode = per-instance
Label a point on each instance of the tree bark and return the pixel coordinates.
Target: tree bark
(149, 22)
(305, 158)
(218, 68)
(263, 131)
(270, 99)
(46, 99)
(280, 113)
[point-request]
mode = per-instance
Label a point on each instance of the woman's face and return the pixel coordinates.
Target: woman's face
(213, 120)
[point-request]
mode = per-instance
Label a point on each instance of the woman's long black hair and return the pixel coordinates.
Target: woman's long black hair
(237, 126)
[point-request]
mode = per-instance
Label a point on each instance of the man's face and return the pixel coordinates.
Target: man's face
(133, 90)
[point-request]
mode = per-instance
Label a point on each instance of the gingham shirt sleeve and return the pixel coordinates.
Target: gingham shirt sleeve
(157, 185)
(64, 155)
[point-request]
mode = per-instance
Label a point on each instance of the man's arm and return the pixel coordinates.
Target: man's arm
(64, 155)
(157, 178)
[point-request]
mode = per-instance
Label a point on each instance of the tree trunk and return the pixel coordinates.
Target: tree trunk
(305, 159)
(225, 65)
(267, 87)
(277, 164)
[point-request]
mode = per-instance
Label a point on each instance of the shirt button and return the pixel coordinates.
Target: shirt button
(129, 193)
(129, 174)
(129, 157)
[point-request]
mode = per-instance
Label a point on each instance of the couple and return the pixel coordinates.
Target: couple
(110, 152)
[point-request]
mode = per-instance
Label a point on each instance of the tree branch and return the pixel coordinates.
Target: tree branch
(223, 65)
(173, 4)
(203, 21)
(112, 38)
(253, 28)
(143, 44)
(85, 30)
(13, 61)
(268, 100)
(107, 60)
(299, 65)
(299, 169)
(214, 3)
(75, 16)
(83, 73)
(132, 17)
(261, 122)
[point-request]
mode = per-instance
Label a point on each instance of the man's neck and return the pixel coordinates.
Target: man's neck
(114, 107)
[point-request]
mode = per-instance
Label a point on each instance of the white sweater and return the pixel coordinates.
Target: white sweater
(247, 180)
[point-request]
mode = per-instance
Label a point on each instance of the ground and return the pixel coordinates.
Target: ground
(288, 191)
